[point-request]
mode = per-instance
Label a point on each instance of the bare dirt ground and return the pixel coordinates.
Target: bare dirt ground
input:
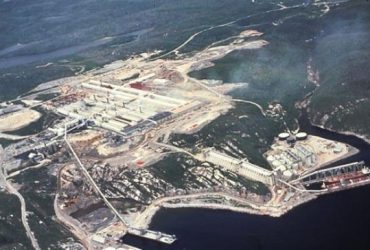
(89, 135)
(18, 120)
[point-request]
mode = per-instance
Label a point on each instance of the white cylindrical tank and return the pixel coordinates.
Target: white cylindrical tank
(282, 168)
(287, 174)
(301, 136)
(283, 136)
(276, 163)
(270, 158)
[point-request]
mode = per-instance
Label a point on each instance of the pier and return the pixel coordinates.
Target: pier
(152, 235)
(144, 233)
(323, 174)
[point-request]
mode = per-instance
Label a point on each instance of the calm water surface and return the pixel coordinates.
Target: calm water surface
(336, 221)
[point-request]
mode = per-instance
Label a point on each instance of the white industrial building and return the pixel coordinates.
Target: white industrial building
(241, 167)
(120, 108)
(293, 158)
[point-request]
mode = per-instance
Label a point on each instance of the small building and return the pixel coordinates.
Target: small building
(140, 127)
(308, 157)
(36, 157)
(161, 117)
(337, 149)
(98, 238)
(291, 140)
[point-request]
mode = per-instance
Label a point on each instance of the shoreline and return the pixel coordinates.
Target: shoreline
(145, 218)
(349, 133)
(274, 212)
(250, 208)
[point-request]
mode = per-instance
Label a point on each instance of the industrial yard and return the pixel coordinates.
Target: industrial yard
(109, 131)
(293, 155)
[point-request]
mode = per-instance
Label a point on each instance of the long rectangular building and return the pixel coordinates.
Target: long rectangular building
(241, 167)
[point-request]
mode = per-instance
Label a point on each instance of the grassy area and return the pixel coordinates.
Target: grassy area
(38, 189)
(342, 55)
(12, 234)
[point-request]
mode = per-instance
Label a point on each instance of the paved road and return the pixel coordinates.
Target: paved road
(72, 224)
(14, 191)
(253, 103)
(174, 148)
(101, 194)
(95, 186)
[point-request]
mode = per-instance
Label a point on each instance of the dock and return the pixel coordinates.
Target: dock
(152, 235)
(144, 233)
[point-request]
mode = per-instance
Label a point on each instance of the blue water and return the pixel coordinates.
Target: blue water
(20, 60)
(335, 221)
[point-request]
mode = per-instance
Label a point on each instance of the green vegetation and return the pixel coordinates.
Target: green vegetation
(336, 44)
(45, 97)
(172, 171)
(252, 134)
(342, 55)
(38, 189)
(93, 33)
(12, 234)
(175, 170)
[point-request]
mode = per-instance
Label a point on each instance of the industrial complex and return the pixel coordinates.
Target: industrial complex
(240, 166)
(126, 110)
(108, 130)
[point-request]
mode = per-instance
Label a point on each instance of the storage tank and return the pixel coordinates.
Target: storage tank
(301, 136)
(281, 168)
(283, 136)
(270, 158)
(287, 174)
(276, 164)
(295, 165)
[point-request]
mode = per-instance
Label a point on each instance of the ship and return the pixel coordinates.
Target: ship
(347, 180)
(347, 176)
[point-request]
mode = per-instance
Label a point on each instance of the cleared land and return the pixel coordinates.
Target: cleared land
(18, 120)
